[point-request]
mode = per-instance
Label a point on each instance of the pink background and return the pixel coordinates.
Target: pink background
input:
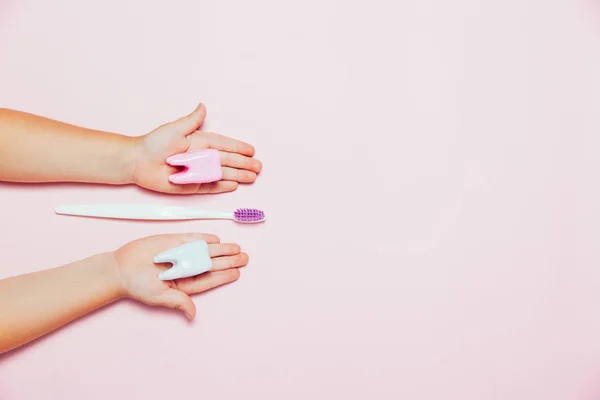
(430, 174)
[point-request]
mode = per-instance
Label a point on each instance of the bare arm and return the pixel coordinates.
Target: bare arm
(37, 303)
(38, 149)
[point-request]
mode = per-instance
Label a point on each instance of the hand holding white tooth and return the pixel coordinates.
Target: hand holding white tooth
(189, 259)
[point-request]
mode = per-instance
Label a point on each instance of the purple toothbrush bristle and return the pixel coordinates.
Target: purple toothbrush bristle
(248, 215)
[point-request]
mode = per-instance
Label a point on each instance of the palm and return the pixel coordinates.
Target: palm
(139, 271)
(152, 172)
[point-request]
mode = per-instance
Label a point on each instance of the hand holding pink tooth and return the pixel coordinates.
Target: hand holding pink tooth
(201, 166)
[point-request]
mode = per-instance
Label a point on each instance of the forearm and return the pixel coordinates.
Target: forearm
(37, 149)
(34, 304)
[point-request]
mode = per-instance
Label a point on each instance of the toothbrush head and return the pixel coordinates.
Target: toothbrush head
(249, 215)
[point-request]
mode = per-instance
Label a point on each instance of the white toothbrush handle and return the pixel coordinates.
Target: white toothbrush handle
(140, 211)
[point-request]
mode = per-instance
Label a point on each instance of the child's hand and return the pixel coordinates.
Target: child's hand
(152, 172)
(138, 274)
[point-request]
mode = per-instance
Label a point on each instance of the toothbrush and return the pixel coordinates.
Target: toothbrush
(159, 212)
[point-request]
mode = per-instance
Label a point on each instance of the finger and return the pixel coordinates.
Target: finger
(190, 188)
(188, 237)
(208, 238)
(228, 262)
(207, 281)
(191, 236)
(176, 299)
(235, 160)
(224, 143)
(223, 249)
(170, 240)
(217, 187)
(190, 123)
(238, 175)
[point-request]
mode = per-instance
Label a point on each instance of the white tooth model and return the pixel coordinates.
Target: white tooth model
(189, 259)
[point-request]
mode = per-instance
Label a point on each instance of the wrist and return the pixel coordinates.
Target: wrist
(112, 273)
(127, 159)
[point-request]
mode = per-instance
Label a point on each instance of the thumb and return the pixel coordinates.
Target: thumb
(191, 122)
(173, 298)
